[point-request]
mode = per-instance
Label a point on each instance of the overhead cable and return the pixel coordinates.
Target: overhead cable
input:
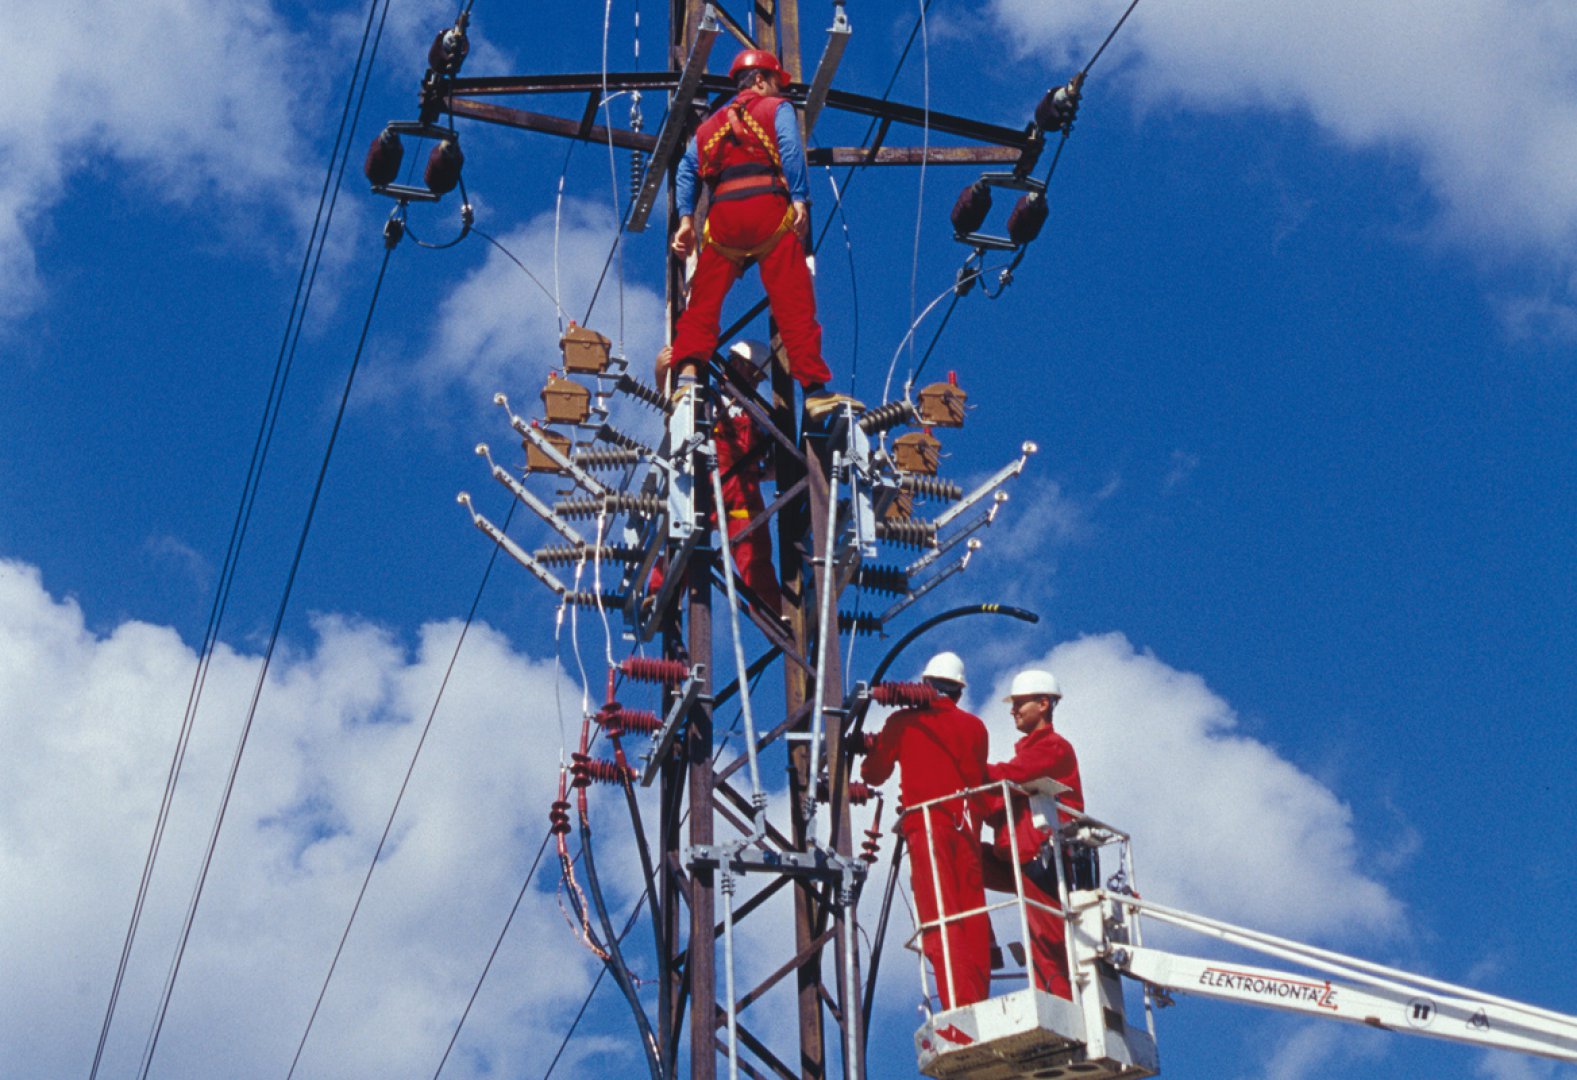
(404, 783)
(305, 280)
(257, 690)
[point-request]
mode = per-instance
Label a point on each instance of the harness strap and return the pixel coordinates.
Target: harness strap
(740, 256)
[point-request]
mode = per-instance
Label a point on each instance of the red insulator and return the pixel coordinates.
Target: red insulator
(443, 167)
(383, 158)
(908, 695)
(650, 669)
(588, 770)
(617, 720)
(559, 817)
(871, 847)
(1027, 217)
(974, 203)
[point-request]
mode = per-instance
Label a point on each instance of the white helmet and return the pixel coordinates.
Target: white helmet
(945, 667)
(1034, 683)
(753, 354)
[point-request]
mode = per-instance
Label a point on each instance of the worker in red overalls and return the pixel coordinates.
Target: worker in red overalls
(750, 157)
(1042, 752)
(742, 459)
(941, 749)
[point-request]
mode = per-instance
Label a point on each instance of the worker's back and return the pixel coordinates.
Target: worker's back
(939, 749)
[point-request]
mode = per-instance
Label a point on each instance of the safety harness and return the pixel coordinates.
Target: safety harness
(741, 129)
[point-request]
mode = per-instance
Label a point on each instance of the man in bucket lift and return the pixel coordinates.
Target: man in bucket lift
(1040, 753)
(750, 156)
(941, 749)
(742, 459)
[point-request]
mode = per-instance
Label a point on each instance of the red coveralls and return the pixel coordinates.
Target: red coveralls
(1040, 753)
(941, 749)
(738, 157)
(737, 440)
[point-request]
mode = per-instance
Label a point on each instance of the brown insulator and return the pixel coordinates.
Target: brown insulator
(629, 384)
(585, 771)
(1056, 110)
(860, 623)
(591, 506)
(908, 695)
(584, 598)
(562, 554)
(885, 579)
(974, 203)
(932, 487)
(637, 173)
(1028, 216)
(558, 818)
(612, 435)
(383, 158)
(915, 534)
(605, 457)
(888, 416)
(449, 49)
(651, 669)
(443, 167)
(618, 720)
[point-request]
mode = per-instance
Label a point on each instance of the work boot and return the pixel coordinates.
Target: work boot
(820, 402)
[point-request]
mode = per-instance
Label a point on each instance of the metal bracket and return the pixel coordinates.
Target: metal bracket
(536, 505)
(831, 57)
(540, 441)
(689, 694)
(819, 863)
(958, 536)
(514, 550)
(1000, 477)
(674, 124)
(933, 581)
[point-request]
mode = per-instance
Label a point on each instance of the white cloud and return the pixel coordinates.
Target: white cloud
(1222, 824)
(1479, 91)
(90, 726)
(499, 330)
(196, 103)
(1313, 1051)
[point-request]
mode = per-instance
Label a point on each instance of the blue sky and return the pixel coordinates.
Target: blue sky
(1296, 346)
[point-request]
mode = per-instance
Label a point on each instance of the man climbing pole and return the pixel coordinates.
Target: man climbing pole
(750, 157)
(941, 750)
(1042, 752)
(742, 460)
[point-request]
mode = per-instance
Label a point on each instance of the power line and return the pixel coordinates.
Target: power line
(273, 640)
(395, 809)
(305, 281)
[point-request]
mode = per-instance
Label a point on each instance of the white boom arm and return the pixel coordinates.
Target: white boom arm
(1344, 988)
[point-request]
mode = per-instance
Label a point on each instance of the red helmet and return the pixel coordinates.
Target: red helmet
(760, 60)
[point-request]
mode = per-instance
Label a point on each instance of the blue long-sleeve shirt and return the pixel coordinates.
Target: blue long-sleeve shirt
(790, 150)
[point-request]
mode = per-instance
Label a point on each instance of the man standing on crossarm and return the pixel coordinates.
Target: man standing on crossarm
(941, 750)
(1040, 753)
(750, 157)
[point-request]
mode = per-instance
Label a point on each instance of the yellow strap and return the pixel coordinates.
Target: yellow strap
(739, 513)
(740, 256)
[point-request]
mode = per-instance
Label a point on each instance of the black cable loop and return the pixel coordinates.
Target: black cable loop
(257, 692)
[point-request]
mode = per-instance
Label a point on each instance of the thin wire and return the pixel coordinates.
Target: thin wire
(1108, 41)
(497, 943)
(854, 289)
(305, 280)
(409, 769)
(257, 691)
(893, 367)
(925, 152)
(534, 279)
(590, 993)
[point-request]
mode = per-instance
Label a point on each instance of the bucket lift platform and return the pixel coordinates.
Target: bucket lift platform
(1030, 1033)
